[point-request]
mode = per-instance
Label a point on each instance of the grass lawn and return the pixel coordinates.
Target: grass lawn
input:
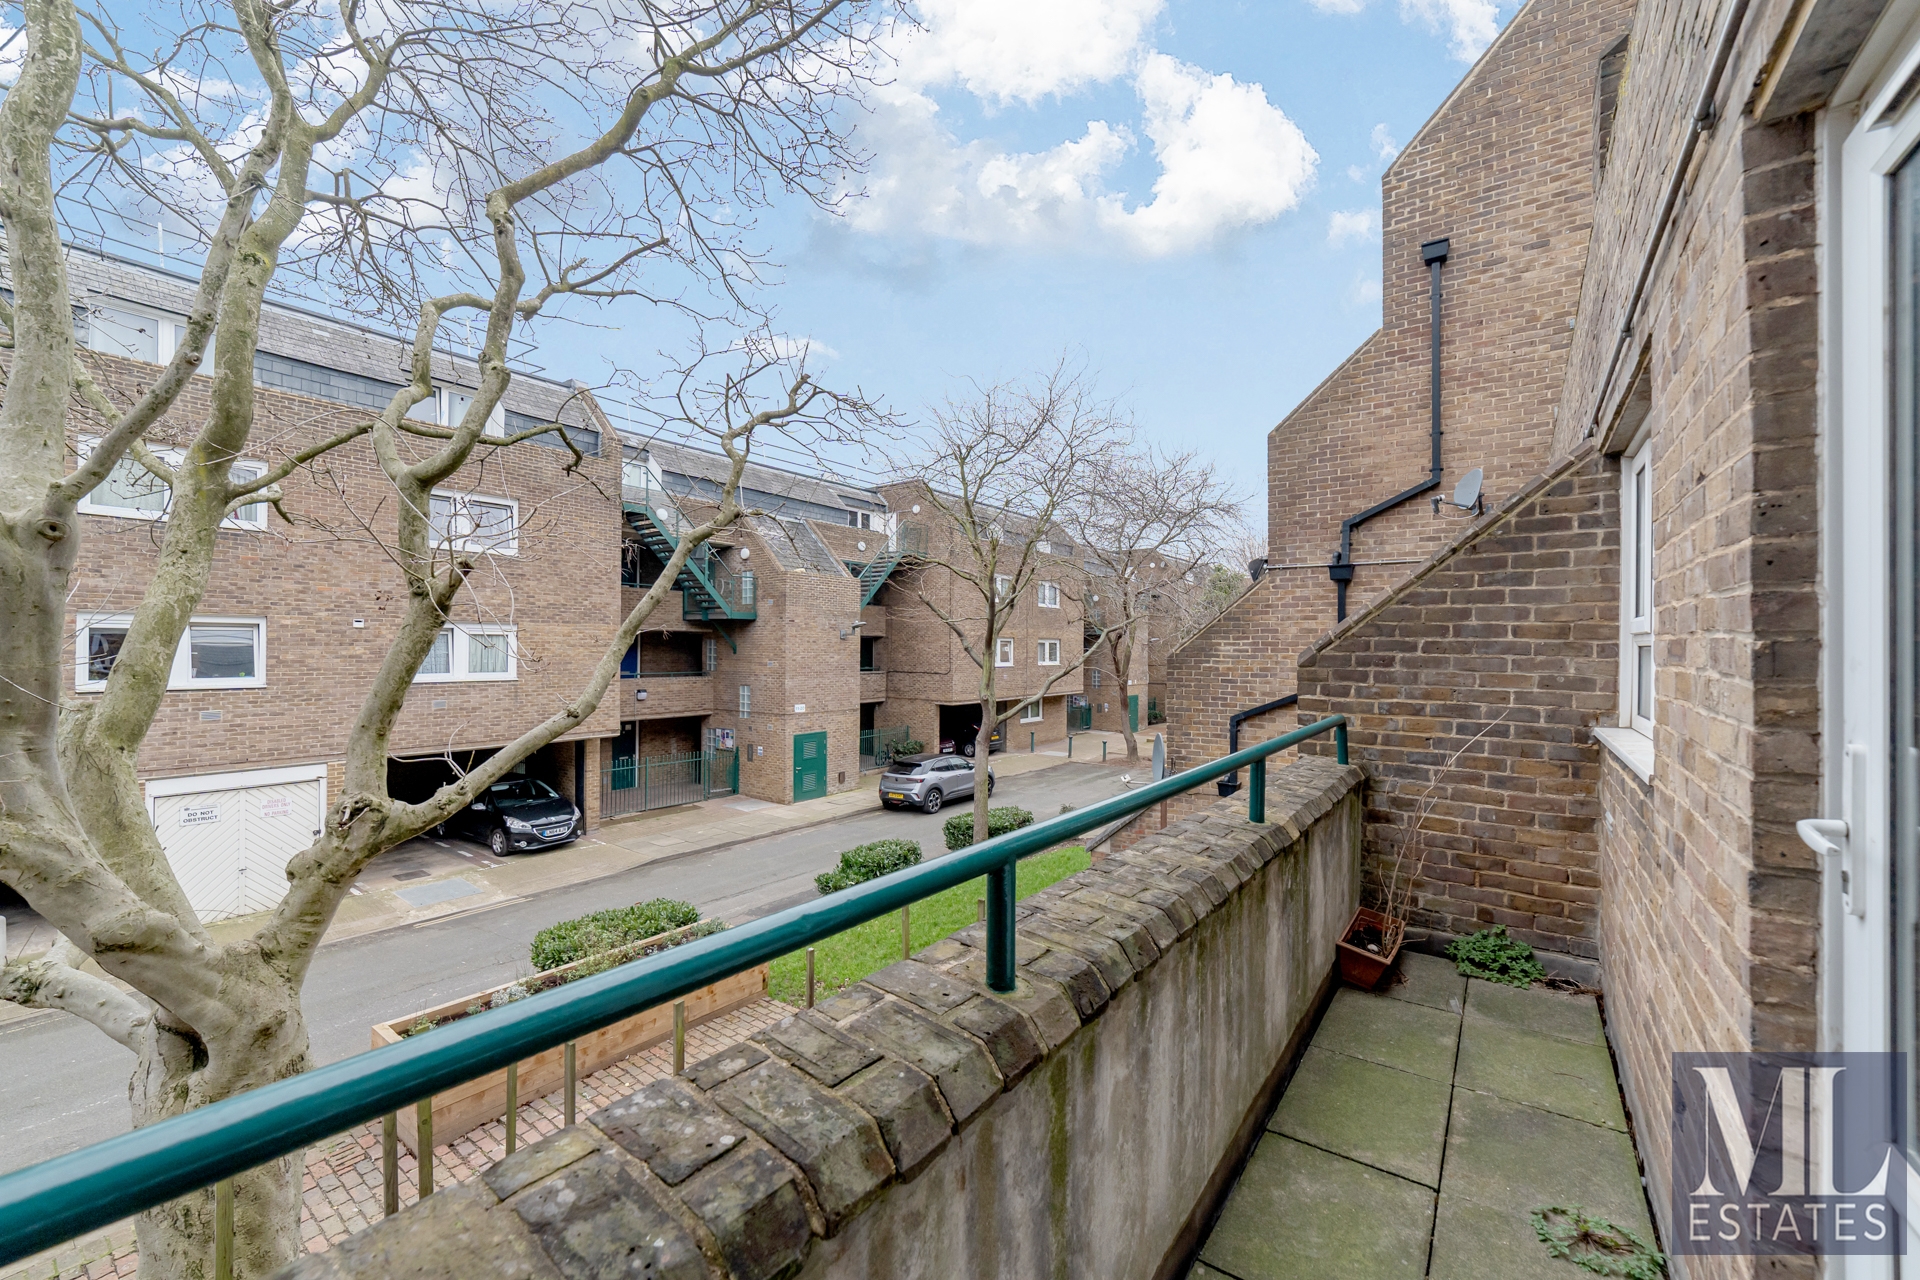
(845, 958)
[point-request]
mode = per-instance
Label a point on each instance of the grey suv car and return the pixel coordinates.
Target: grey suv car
(927, 782)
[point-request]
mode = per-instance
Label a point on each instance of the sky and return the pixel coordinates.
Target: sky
(1183, 195)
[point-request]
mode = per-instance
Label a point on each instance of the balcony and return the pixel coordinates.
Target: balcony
(671, 693)
(873, 685)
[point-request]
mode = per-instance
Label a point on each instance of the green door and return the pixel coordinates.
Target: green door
(1133, 713)
(809, 765)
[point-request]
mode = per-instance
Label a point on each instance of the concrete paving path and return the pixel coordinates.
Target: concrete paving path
(1422, 1128)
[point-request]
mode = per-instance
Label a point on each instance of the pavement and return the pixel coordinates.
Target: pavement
(67, 1084)
(1422, 1128)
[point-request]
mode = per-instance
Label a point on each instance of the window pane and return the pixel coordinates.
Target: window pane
(103, 646)
(132, 487)
(491, 524)
(486, 655)
(122, 333)
(1904, 608)
(440, 519)
(1640, 524)
(439, 659)
(222, 653)
(253, 512)
(1643, 682)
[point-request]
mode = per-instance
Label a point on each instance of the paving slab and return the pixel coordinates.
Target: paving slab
(1562, 1076)
(1392, 1120)
(1428, 980)
(1299, 1213)
(1473, 1241)
(1550, 1013)
(1509, 1156)
(1394, 1033)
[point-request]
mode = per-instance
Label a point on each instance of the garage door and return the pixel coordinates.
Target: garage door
(229, 846)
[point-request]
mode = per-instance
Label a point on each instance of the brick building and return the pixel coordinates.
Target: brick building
(1678, 332)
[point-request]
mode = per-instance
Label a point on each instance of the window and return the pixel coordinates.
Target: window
(467, 652)
(1636, 591)
(1049, 595)
(746, 700)
(1049, 653)
(1093, 677)
(132, 492)
(1003, 653)
(215, 653)
(709, 654)
(465, 522)
(138, 335)
(1045, 547)
(860, 519)
(1002, 588)
(1031, 713)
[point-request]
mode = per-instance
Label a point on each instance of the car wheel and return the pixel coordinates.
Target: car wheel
(497, 841)
(932, 803)
(440, 830)
(968, 750)
(989, 786)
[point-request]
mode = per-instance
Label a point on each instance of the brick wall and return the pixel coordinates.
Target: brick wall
(1500, 656)
(1504, 169)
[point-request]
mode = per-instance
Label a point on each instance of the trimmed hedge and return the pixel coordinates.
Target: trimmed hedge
(867, 862)
(576, 939)
(959, 828)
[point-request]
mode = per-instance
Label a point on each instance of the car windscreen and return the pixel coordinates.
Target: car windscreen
(520, 791)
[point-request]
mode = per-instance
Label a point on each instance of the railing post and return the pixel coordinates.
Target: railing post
(223, 1229)
(566, 1107)
(809, 977)
(513, 1105)
(423, 1143)
(679, 1036)
(1000, 947)
(906, 934)
(1257, 791)
(390, 1163)
(1340, 743)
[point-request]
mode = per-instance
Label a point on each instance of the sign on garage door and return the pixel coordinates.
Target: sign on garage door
(229, 842)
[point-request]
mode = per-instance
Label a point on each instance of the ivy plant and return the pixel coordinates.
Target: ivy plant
(1594, 1244)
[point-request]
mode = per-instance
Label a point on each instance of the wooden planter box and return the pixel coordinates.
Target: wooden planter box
(467, 1106)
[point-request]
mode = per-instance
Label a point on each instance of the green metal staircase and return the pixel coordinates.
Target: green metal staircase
(709, 590)
(909, 542)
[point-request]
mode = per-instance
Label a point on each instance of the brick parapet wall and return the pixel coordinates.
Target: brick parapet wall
(1511, 637)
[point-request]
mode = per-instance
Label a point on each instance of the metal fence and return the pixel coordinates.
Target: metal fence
(85, 1190)
(1080, 718)
(635, 784)
(878, 747)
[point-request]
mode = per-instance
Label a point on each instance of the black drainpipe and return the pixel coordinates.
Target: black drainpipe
(1231, 783)
(1433, 253)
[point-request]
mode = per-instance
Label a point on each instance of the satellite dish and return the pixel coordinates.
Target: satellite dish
(1467, 492)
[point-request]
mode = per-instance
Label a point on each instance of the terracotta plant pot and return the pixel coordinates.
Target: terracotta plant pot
(1358, 965)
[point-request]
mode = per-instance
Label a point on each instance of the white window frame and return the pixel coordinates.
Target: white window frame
(1033, 713)
(1044, 648)
(180, 675)
(1048, 595)
(1003, 652)
(746, 701)
(460, 655)
(489, 546)
(1636, 586)
(251, 516)
(169, 330)
(1002, 588)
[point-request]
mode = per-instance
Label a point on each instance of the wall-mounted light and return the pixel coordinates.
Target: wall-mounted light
(860, 546)
(916, 508)
(746, 553)
(359, 622)
(639, 695)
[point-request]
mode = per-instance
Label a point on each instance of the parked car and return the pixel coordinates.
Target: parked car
(518, 813)
(969, 743)
(928, 781)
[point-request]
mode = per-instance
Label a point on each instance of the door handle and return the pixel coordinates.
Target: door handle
(1833, 838)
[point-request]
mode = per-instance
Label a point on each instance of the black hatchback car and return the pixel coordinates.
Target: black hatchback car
(516, 814)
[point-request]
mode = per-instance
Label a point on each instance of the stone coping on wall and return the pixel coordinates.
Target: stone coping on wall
(736, 1166)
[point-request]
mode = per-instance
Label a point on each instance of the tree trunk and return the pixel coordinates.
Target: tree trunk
(1122, 663)
(178, 1072)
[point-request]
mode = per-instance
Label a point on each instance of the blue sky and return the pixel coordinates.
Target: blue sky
(1212, 320)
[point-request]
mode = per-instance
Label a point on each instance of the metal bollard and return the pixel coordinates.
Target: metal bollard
(423, 1140)
(679, 1036)
(1069, 746)
(1257, 791)
(513, 1106)
(566, 1107)
(223, 1230)
(1103, 751)
(906, 934)
(390, 1163)
(809, 977)
(1031, 735)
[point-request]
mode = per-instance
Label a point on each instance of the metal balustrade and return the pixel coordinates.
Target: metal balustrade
(85, 1190)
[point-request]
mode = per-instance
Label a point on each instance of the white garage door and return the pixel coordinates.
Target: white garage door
(229, 845)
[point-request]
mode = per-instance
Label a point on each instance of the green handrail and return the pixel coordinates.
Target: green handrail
(66, 1196)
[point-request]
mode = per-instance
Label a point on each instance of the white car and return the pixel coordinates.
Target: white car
(927, 782)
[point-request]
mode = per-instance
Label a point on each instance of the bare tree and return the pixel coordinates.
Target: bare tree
(421, 163)
(1148, 521)
(998, 470)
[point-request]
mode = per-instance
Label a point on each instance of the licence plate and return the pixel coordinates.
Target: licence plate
(895, 795)
(551, 832)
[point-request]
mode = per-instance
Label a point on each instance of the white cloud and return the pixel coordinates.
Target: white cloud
(1339, 6)
(1383, 144)
(1365, 291)
(1471, 25)
(1228, 159)
(1356, 224)
(1022, 50)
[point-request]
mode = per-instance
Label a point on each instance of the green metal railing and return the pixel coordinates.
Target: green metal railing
(878, 747)
(59, 1199)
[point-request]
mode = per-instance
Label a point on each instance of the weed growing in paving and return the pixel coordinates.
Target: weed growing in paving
(847, 957)
(1492, 955)
(1597, 1245)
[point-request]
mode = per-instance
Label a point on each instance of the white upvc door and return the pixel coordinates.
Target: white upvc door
(1870, 369)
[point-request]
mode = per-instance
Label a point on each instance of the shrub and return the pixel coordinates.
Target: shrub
(572, 940)
(959, 828)
(911, 747)
(867, 862)
(1492, 955)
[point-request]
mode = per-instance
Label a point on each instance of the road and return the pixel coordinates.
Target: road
(64, 1085)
